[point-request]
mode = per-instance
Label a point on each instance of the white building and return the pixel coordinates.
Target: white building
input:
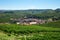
(33, 22)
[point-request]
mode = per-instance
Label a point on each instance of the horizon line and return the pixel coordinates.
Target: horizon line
(30, 9)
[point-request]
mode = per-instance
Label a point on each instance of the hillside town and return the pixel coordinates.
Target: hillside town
(30, 21)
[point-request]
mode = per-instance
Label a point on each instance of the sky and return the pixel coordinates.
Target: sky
(29, 4)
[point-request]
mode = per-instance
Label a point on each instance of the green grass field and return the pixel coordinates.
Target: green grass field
(50, 31)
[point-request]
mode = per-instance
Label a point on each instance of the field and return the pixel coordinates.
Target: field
(50, 31)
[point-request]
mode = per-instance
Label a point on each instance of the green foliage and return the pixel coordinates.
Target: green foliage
(48, 31)
(23, 29)
(52, 24)
(35, 13)
(36, 32)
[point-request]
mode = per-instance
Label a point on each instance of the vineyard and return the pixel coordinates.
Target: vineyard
(50, 31)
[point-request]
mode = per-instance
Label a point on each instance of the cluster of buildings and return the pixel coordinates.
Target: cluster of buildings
(29, 21)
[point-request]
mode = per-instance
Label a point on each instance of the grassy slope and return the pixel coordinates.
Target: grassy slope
(40, 32)
(33, 36)
(27, 29)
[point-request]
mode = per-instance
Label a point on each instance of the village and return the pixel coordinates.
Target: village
(30, 21)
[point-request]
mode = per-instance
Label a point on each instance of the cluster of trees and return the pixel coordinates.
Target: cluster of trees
(5, 15)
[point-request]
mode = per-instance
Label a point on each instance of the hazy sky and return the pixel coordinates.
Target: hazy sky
(29, 4)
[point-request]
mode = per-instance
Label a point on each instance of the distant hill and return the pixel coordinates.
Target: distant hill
(5, 15)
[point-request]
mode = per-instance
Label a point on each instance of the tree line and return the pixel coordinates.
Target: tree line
(5, 15)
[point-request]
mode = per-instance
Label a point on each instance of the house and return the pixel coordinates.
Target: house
(33, 23)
